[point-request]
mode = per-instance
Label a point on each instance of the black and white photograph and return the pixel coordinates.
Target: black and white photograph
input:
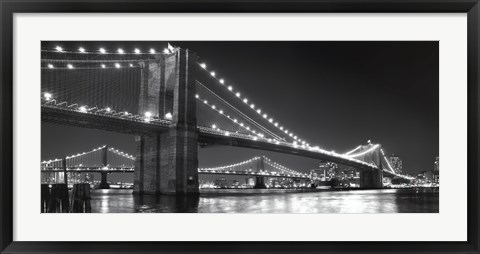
(272, 127)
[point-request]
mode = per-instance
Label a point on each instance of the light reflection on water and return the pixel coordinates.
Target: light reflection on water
(271, 201)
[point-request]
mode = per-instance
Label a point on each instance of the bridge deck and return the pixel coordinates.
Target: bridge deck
(103, 121)
(207, 136)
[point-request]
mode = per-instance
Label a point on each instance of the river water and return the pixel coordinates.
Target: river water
(417, 200)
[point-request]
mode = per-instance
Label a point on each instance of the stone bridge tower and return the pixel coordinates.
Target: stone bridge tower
(167, 162)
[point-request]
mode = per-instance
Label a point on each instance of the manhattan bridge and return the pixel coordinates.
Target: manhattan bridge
(173, 104)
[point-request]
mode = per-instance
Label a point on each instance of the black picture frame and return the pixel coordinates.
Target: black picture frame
(10, 7)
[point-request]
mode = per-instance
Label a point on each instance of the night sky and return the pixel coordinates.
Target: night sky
(334, 94)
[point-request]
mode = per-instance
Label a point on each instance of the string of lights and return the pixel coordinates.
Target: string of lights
(231, 165)
(282, 168)
(118, 152)
(388, 163)
(354, 150)
(103, 51)
(267, 161)
(234, 120)
(221, 112)
(73, 155)
(245, 100)
(103, 65)
(365, 152)
(253, 122)
(147, 117)
(76, 157)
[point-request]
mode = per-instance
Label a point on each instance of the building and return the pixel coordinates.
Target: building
(436, 172)
(350, 173)
(221, 182)
(425, 177)
(315, 174)
(250, 182)
(396, 163)
(325, 172)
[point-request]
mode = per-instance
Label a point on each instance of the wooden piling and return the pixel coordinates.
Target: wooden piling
(81, 198)
(54, 198)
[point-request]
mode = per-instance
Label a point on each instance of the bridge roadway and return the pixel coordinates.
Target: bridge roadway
(207, 136)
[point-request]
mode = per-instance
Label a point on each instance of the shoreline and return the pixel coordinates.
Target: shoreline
(249, 192)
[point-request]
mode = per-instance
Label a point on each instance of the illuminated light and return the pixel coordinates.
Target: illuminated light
(276, 124)
(104, 66)
(259, 111)
(252, 106)
(358, 147)
(286, 131)
(147, 120)
(264, 115)
(271, 120)
(364, 152)
(205, 101)
(166, 51)
(83, 109)
(214, 126)
(203, 65)
(227, 133)
(237, 94)
(221, 81)
(69, 66)
(241, 124)
(281, 128)
(168, 116)
(213, 106)
(117, 65)
(50, 66)
(230, 88)
(196, 96)
(102, 51)
(148, 114)
(248, 128)
(47, 96)
(137, 51)
(59, 49)
(108, 109)
(212, 73)
(221, 112)
(255, 138)
(235, 120)
(125, 113)
(131, 65)
(82, 50)
(152, 51)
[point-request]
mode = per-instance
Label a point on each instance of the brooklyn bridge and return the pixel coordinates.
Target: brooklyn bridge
(174, 104)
